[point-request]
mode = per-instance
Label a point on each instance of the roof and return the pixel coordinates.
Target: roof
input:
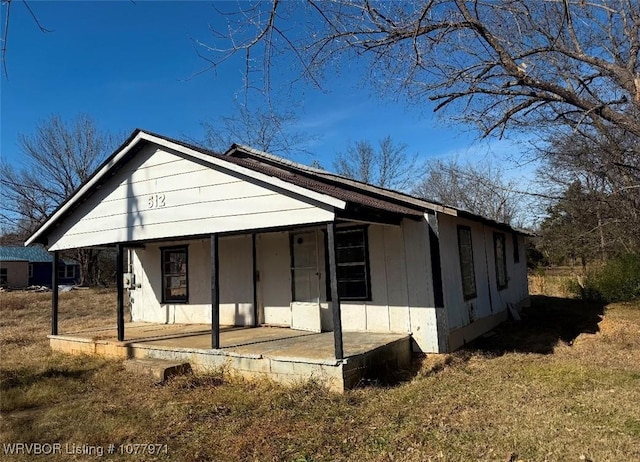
(350, 189)
(334, 190)
(319, 185)
(33, 254)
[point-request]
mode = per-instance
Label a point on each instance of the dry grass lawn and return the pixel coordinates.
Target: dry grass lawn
(562, 385)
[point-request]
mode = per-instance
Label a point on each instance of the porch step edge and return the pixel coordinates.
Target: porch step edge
(158, 369)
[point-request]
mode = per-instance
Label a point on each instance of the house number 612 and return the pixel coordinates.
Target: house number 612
(156, 201)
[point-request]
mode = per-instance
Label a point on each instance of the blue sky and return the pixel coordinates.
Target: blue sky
(134, 65)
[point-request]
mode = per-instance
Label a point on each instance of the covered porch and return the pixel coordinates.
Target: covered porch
(246, 239)
(281, 354)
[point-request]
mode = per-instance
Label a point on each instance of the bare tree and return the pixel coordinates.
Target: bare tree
(497, 64)
(597, 180)
(388, 166)
(267, 130)
(567, 65)
(479, 189)
(55, 160)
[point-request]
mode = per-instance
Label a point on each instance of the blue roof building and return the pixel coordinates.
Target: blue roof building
(29, 266)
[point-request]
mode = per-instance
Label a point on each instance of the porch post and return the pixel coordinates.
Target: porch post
(335, 298)
(215, 293)
(255, 279)
(54, 293)
(120, 287)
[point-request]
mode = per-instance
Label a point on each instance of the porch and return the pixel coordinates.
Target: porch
(281, 354)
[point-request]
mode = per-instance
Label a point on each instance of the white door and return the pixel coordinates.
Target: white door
(305, 274)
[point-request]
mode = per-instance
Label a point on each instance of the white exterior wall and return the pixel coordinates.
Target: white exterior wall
(402, 293)
(161, 194)
(236, 283)
(274, 284)
(401, 286)
(489, 307)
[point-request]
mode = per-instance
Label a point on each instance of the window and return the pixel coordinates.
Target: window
(67, 272)
(4, 277)
(516, 249)
(175, 280)
(501, 260)
(465, 249)
(30, 270)
(352, 262)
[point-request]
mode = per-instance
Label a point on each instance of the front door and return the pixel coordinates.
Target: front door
(305, 277)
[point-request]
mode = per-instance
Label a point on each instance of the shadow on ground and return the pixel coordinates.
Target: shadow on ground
(547, 321)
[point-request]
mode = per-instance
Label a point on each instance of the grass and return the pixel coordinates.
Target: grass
(561, 385)
(556, 281)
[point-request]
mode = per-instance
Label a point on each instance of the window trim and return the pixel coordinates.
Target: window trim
(163, 276)
(474, 294)
(496, 237)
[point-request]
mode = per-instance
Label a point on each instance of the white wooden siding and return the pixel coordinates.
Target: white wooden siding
(489, 300)
(422, 311)
(401, 282)
(274, 263)
(401, 286)
(236, 284)
(197, 199)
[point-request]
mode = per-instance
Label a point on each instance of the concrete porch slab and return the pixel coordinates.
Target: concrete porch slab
(285, 355)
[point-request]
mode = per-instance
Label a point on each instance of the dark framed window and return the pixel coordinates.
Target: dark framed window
(516, 249)
(67, 272)
(352, 263)
(501, 260)
(4, 276)
(175, 275)
(467, 268)
(30, 270)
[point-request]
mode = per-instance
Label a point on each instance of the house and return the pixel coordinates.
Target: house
(31, 266)
(249, 239)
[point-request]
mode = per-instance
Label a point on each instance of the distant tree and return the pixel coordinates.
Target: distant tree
(11, 238)
(388, 165)
(597, 177)
(570, 232)
(263, 129)
(479, 189)
(56, 158)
